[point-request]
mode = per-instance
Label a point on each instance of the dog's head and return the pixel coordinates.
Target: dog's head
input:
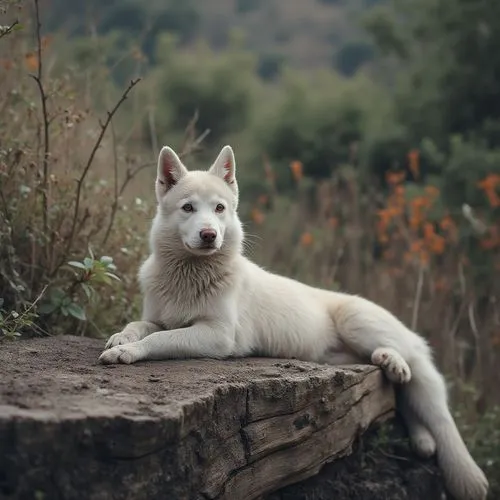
(197, 210)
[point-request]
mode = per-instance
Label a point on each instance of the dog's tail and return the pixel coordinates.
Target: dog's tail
(426, 397)
(364, 327)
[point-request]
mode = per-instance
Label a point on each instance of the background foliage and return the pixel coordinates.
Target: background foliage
(367, 141)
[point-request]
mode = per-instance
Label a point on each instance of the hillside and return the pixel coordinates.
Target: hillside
(304, 34)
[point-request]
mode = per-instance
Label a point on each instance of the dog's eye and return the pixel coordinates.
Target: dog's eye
(187, 207)
(219, 208)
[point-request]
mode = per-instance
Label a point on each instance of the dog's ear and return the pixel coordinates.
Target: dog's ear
(170, 171)
(225, 167)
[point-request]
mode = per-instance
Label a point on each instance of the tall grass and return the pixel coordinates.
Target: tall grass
(434, 267)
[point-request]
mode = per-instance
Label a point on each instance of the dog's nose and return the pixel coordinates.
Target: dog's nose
(208, 235)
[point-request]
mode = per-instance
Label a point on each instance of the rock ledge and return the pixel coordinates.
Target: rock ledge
(195, 429)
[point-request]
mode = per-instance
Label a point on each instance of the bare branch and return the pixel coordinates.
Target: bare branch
(81, 180)
(191, 142)
(114, 206)
(5, 30)
(45, 120)
(194, 146)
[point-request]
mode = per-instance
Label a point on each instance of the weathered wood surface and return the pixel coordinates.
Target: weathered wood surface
(197, 429)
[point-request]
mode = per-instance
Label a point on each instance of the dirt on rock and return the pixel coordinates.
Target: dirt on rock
(47, 373)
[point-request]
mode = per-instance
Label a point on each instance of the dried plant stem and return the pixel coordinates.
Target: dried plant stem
(418, 298)
(190, 147)
(88, 165)
(8, 29)
(45, 120)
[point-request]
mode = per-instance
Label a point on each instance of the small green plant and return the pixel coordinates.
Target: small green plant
(13, 323)
(90, 273)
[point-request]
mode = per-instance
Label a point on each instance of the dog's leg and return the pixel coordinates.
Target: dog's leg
(134, 331)
(421, 439)
(374, 333)
(197, 341)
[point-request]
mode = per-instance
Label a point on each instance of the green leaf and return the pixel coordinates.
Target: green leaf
(77, 312)
(104, 279)
(47, 308)
(105, 259)
(64, 310)
(74, 263)
(57, 295)
(114, 276)
(18, 27)
(88, 263)
(88, 290)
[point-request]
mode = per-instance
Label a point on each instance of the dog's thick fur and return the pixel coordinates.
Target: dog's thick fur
(203, 298)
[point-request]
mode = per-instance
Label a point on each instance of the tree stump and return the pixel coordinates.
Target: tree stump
(183, 429)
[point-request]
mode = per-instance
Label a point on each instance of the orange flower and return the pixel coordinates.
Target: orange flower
(262, 199)
(333, 222)
(421, 202)
(437, 245)
(416, 246)
(492, 240)
(432, 191)
(441, 285)
(306, 239)
(31, 61)
(7, 64)
(297, 170)
(399, 190)
(414, 162)
(447, 223)
(489, 186)
(383, 238)
(257, 216)
(415, 221)
(429, 230)
(424, 257)
(394, 178)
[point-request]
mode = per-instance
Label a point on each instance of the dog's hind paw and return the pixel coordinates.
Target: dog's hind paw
(127, 354)
(395, 367)
(422, 441)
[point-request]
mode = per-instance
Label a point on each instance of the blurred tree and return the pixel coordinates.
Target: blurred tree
(219, 87)
(244, 6)
(449, 49)
(269, 65)
(352, 55)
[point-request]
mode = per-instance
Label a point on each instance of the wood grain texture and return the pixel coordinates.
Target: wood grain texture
(195, 429)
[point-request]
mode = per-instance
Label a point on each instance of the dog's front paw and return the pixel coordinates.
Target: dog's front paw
(127, 354)
(127, 336)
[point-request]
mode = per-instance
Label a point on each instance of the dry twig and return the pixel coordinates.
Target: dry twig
(81, 180)
(45, 120)
(5, 30)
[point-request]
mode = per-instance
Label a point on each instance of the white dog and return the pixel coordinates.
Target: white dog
(203, 298)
